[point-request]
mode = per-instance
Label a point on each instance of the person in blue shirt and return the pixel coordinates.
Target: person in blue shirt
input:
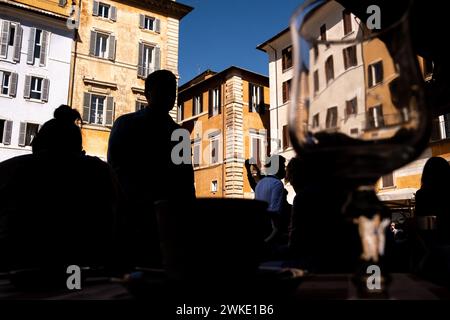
(271, 190)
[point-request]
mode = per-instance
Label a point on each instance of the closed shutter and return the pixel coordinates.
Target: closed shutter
(44, 48)
(45, 89)
(219, 91)
(13, 85)
(201, 102)
(141, 21)
(210, 103)
(157, 25)
(261, 105)
(86, 107)
(4, 39)
(92, 43)
(109, 111)
(112, 48)
(31, 41)
(27, 88)
(95, 9)
(157, 58)
(7, 132)
(113, 15)
(370, 76)
(250, 97)
(18, 43)
(141, 61)
(22, 134)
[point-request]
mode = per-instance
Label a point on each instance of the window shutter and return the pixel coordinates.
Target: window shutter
(157, 58)
(27, 89)
(113, 15)
(141, 61)
(261, 105)
(109, 111)
(7, 133)
(141, 21)
(13, 85)
(44, 48)
(112, 48)
(4, 39)
(92, 43)
(18, 43)
(45, 89)
(201, 103)
(31, 40)
(86, 107)
(250, 97)
(210, 102)
(22, 134)
(157, 25)
(95, 9)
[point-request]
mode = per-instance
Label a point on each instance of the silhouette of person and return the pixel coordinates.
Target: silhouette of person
(58, 205)
(434, 193)
(139, 151)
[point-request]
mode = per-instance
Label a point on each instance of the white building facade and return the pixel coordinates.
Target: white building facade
(35, 57)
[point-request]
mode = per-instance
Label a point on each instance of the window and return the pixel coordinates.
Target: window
(214, 101)
(149, 23)
(375, 72)
(388, 180)
(104, 10)
(351, 107)
(375, 117)
(354, 131)
(214, 186)
(10, 40)
(286, 55)
(197, 105)
(286, 91)
(102, 45)
(257, 147)
(140, 105)
(36, 88)
(347, 19)
(98, 109)
(196, 153)
(38, 46)
(329, 69)
(440, 127)
(149, 59)
(27, 133)
(256, 101)
(286, 138)
(332, 118)
(5, 83)
(180, 112)
(214, 147)
(5, 131)
(350, 59)
(315, 121)
(316, 81)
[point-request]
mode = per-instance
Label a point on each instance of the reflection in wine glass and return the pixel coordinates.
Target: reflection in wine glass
(357, 108)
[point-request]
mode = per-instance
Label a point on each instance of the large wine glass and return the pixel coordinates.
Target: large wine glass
(357, 104)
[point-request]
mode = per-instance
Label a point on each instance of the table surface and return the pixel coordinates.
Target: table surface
(313, 287)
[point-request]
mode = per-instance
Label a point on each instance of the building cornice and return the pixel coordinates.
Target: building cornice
(99, 83)
(278, 35)
(34, 9)
(167, 7)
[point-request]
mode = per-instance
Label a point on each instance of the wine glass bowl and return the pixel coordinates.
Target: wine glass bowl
(357, 101)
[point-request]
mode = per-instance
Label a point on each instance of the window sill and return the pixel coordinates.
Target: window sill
(35, 100)
(6, 96)
(100, 58)
(97, 127)
(9, 60)
(153, 32)
(105, 19)
(388, 188)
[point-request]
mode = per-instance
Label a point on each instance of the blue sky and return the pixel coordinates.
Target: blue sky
(221, 33)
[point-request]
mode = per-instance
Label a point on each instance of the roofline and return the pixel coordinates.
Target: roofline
(171, 8)
(219, 74)
(262, 45)
(34, 9)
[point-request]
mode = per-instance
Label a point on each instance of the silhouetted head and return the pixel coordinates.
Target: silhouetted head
(161, 90)
(60, 133)
(276, 166)
(295, 173)
(436, 173)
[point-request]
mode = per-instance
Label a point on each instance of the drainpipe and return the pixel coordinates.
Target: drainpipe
(75, 50)
(276, 95)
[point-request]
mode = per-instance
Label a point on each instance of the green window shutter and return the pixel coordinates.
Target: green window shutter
(109, 111)
(13, 86)
(112, 48)
(4, 36)
(27, 88)
(7, 132)
(30, 51)
(86, 107)
(22, 134)
(18, 43)
(92, 43)
(45, 89)
(44, 48)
